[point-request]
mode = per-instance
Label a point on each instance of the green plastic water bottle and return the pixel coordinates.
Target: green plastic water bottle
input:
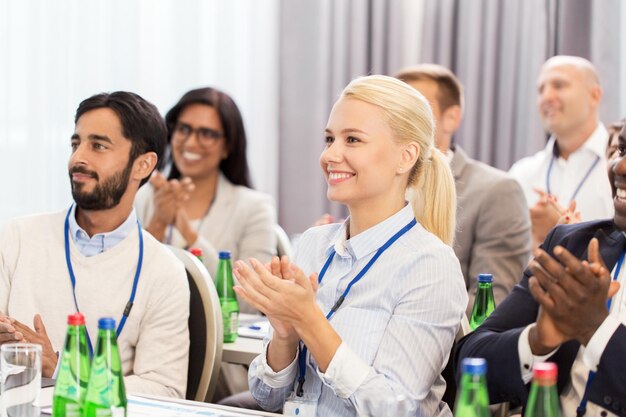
(473, 399)
(106, 394)
(228, 299)
(197, 252)
(484, 304)
(543, 400)
(71, 384)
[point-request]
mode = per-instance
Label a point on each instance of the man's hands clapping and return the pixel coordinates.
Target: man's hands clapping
(572, 295)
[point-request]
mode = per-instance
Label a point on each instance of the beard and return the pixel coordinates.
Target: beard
(105, 195)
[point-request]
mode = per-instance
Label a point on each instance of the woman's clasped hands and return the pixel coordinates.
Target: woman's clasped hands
(169, 198)
(280, 290)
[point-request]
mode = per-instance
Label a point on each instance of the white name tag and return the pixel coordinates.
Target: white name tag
(305, 406)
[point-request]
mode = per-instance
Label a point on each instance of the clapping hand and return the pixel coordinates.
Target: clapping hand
(275, 267)
(169, 198)
(570, 215)
(572, 295)
(544, 215)
(282, 291)
(325, 219)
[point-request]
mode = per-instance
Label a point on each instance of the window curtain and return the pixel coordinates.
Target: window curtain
(497, 48)
(324, 44)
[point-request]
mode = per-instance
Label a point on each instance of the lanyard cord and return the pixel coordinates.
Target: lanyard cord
(70, 270)
(170, 227)
(170, 232)
(579, 184)
(340, 300)
(615, 277)
(582, 407)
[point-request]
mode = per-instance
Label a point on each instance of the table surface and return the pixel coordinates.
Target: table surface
(172, 407)
(197, 408)
(243, 350)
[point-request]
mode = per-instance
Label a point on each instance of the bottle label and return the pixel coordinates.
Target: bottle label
(230, 317)
(234, 321)
(231, 322)
(111, 412)
(72, 410)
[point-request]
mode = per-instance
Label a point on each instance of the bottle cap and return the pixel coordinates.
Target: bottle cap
(106, 323)
(485, 278)
(545, 371)
(225, 254)
(76, 319)
(196, 251)
(474, 366)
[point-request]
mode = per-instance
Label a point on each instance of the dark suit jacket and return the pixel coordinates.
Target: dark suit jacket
(496, 340)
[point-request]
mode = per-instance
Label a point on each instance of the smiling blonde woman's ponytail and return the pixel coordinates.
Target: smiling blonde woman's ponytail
(430, 186)
(433, 195)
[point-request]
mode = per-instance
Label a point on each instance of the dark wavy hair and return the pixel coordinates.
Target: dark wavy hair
(141, 122)
(235, 166)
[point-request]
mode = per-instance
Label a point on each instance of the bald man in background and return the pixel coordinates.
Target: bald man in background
(493, 229)
(573, 164)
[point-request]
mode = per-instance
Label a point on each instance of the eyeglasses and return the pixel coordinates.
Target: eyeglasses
(206, 136)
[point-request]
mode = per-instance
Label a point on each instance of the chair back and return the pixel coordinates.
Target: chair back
(284, 244)
(449, 396)
(205, 329)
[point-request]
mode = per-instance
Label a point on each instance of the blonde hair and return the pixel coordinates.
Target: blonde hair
(430, 182)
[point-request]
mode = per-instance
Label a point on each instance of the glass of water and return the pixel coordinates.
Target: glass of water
(20, 374)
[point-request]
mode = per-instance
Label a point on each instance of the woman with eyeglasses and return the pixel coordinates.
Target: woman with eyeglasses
(206, 201)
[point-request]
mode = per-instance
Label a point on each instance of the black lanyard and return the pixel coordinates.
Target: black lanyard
(340, 300)
(582, 407)
(68, 261)
(579, 184)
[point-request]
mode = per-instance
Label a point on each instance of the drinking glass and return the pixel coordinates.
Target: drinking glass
(20, 375)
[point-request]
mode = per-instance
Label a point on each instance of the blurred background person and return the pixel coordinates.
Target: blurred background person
(573, 164)
(493, 229)
(550, 207)
(207, 201)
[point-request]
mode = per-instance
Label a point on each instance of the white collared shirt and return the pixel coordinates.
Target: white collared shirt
(587, 358)
(397, 324)
(594, 200)
(98, 243)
